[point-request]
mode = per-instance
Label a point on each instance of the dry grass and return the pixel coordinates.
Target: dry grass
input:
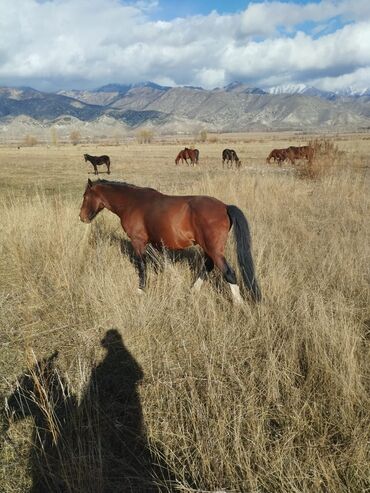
(271, 398)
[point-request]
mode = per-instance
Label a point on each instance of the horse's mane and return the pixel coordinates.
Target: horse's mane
(120, 184)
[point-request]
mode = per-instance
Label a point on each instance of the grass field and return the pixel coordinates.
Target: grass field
(200, 395)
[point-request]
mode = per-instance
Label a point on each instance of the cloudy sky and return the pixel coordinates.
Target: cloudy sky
(61, 44)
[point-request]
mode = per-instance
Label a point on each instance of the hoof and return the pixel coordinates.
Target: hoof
(237, 301)
(197, 285)
(140, 291)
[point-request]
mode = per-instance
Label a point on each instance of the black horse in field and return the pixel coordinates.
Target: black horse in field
(230, 156)
(97, 161)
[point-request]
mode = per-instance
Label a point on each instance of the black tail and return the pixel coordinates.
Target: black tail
(243, 249)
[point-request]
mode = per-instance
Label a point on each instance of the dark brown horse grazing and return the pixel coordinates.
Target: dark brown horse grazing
(97, 161)
(185, 154)
(176, 222)
(229, 156)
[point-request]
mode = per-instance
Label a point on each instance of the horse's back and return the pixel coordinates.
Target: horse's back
(181, 221)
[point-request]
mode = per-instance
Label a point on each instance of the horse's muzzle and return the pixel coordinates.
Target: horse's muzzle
(86, 220)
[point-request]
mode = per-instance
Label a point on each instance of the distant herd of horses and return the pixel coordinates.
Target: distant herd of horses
(229, 157)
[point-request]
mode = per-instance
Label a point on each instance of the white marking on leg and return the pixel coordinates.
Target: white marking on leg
(197, 285)
(236, 293)
(140, 291)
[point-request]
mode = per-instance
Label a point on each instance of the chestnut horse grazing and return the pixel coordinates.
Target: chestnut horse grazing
(278, 155)
(176, 222)
(97, 161)
(185, 154)
(302, 152)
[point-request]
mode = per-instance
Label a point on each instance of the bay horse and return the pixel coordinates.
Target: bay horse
(97, 161)
(185, 154)
(302, 152)
(230, 156)
(176, 222)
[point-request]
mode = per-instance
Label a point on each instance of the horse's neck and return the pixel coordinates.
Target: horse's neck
(116, 199)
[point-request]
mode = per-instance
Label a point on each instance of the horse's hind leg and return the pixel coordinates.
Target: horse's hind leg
(206, 268)
(108, 167)
(140, 263)
(229, 276)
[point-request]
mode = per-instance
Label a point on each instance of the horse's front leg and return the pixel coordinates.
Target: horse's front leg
(95, 169)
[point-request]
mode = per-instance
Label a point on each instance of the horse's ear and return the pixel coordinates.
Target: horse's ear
(89, 183)
(54, 355)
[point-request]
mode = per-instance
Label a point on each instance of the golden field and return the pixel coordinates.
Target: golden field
(263, 399)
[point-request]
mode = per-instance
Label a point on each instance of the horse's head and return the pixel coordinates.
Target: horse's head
(31, 389)
(91, 204)
(85, 156)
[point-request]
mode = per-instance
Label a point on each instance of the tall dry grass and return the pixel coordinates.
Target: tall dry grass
(272, 398)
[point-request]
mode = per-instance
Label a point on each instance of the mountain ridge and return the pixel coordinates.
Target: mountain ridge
(235, 107)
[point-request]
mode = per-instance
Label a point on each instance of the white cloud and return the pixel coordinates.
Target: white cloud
(88, 42)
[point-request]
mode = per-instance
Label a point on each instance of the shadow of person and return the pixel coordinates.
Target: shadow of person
(113, 415)
(43, 394)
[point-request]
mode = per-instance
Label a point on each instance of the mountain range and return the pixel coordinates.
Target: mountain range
(235, 107)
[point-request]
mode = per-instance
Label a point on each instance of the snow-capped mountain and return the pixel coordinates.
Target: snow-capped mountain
(302, 89)
(306, 90)
(353, 92)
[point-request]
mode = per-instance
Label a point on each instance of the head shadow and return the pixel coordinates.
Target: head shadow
(43, 394)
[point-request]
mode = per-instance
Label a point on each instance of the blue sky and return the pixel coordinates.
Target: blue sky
(63, 44)
(168, 10)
